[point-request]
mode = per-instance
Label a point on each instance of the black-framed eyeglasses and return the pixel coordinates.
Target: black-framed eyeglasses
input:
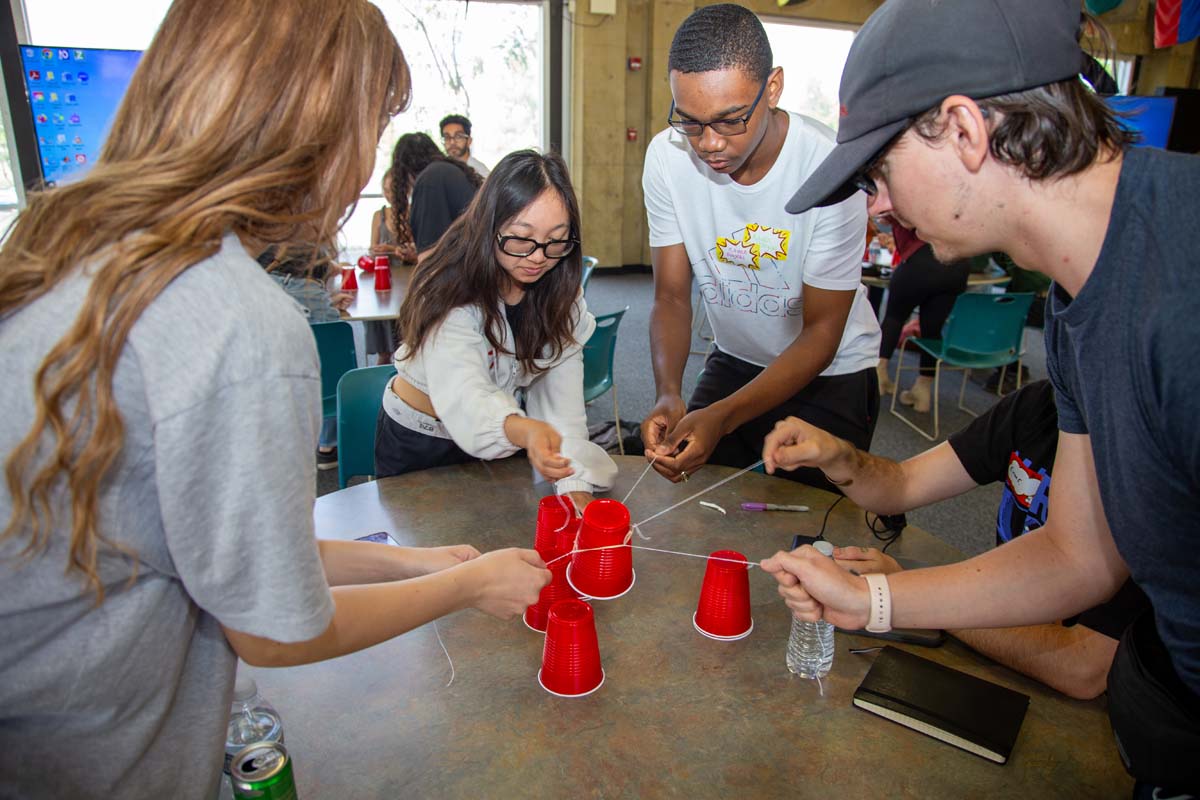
(522, 247)
(862, 179)
(724, 127)
(455, 137)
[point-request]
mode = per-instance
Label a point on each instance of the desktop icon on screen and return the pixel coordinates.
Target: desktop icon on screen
(80, 158)
(59, 119)
(54, 97)
(47, 54)
(30, 52)
(79, 55)
(83, 77)
(71, 98)
(68, 77)
(34, 75)
(64, 55)
(74, 119)
(41, 118)
(38, 97)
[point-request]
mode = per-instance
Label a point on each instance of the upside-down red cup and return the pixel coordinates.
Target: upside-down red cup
(383, 275)
(602, 574)
(366, 262)
(555, 518)
(571, 653)
(557, 589)
(349, 280)
(724, 608)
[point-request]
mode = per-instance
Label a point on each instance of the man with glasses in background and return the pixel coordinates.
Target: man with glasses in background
(456, 140)
(794, 333)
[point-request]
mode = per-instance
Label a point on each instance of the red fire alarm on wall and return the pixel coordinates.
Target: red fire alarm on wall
(635, 63)
(631, 134)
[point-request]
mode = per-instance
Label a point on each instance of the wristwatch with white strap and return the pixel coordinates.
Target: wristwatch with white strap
(880, 620)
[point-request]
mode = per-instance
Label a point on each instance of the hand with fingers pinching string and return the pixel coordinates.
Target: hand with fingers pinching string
(658, 424)
(794, 443)
(687, 447)
(542, 444)
(816, 588)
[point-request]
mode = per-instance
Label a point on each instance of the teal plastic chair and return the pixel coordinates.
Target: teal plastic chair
(598, 354)
(359, 397)
(589, 265)
(335, 348)
(983, 331)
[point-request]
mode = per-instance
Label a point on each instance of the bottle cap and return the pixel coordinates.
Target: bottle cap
(824, 548)
(244, 687)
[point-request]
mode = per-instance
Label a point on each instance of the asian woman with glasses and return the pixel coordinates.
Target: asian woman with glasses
(493, 315)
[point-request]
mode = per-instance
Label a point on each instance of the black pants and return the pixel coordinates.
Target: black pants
(399, 450)
(922, 281)
(844, 405)
(1155, 716)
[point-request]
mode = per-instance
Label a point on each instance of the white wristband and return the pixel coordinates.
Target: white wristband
(880, 620)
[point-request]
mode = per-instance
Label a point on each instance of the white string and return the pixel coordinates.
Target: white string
(702, 491)
(444, 650)
(625, 499)
(570, 509)
(653, 550)
(820, 686)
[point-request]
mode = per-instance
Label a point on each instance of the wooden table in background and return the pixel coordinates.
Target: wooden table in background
(679, 715)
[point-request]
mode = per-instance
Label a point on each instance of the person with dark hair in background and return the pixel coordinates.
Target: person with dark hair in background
(918, 279)
(991, 142)
(456, 138)
(429, 191)
(495, 311)
(795, 335)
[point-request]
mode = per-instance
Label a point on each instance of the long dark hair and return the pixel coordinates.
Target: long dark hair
(412, 154)
(462, 269)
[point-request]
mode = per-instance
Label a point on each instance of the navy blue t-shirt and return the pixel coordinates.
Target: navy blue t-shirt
(1124, 356)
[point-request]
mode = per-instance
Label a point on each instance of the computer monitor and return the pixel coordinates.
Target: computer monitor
(73, 95)
(1149, 116)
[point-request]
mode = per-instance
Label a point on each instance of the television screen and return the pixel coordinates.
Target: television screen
(1149, 116)
(73, 94)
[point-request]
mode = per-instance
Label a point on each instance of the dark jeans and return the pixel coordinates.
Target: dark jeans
(399, 450)
(844, 405)
(922, 281)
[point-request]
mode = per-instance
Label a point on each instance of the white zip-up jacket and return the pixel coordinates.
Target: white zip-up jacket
(474, 389)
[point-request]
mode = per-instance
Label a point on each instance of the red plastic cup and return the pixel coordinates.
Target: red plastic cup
(555, 524)
(724, 609)
(383, 275)
(571, 654)
(366, 262)
(557, 589)
(349, 280)
(602, 574)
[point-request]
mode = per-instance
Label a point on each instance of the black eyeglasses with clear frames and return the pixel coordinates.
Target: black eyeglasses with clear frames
(522, 247)
(734, 126)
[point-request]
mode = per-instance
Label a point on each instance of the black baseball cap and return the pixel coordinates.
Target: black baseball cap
(913, 54)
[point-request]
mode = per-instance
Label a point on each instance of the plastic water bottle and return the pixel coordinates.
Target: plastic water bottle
(251, 719)
(810, 645)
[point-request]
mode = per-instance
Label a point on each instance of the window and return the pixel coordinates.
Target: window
(812, 57)
(482, 59)
(479, 59)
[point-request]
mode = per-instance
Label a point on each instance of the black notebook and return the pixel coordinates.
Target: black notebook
(941, 702)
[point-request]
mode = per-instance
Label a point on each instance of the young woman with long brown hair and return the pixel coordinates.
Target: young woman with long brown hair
(161, 399)
(496, 311)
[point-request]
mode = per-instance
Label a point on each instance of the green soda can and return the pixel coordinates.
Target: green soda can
(263, 771)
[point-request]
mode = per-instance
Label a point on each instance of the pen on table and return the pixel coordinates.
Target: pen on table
(771, 507)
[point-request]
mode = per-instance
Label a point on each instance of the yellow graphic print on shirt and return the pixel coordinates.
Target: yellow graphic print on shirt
(756, 242)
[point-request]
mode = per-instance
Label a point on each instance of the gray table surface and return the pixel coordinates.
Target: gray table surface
(679, 715)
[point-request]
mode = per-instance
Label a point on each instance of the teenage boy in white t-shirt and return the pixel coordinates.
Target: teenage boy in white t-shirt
(794, 332)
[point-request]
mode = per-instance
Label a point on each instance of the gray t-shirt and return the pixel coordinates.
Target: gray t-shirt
(219, 390)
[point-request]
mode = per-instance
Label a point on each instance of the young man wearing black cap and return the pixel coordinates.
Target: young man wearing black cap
(794, 332)
(978, 134)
